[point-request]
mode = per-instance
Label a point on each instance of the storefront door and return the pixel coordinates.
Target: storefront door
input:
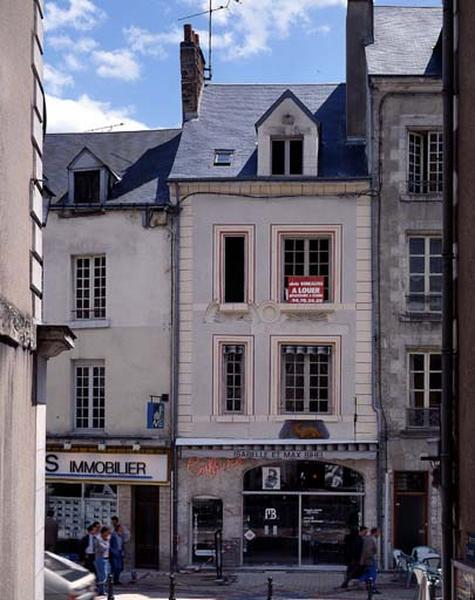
(146, 526)
(410, 510)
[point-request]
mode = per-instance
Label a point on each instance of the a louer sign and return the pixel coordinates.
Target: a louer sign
(102, 466)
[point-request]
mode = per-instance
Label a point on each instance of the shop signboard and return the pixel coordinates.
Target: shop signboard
(463, 581)
(305, 290)
(107, 467)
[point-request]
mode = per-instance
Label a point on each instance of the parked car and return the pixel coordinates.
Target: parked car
(66, 580)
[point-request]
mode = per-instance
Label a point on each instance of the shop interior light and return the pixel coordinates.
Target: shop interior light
(135, 446)
(101, 445)
(67, 445)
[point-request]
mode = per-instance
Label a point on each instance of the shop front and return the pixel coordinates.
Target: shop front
(88, 486)
(274, 513)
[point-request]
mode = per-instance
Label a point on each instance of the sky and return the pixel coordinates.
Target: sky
(114, 64)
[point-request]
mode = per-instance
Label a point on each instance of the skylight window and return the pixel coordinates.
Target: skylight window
(223, 158)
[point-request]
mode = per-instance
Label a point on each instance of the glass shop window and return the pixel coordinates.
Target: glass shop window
(207, 518)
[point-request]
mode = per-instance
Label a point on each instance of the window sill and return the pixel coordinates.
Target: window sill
(307, 417)
(422, 432)
(90, 324)
(411, 317)
(414, 198)
(231, 418)
(321, 307)
(234, 308)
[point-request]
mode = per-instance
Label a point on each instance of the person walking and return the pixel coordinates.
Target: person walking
(353, 549)
(86, 547)
(51, 531)
(117, 553)
(368, 559)
(102, 550)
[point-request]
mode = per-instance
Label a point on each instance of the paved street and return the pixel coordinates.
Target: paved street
(253, 586)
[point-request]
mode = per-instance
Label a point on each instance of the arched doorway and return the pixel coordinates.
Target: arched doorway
(298, 513)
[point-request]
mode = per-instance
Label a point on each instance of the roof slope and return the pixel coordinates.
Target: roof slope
(228, 114)
(406, 41)
(142, 159)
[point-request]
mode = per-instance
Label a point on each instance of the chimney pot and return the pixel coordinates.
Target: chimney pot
(188, 32)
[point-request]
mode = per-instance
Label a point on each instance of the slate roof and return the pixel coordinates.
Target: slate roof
(407, 41)
(228, 114)
(142, 159)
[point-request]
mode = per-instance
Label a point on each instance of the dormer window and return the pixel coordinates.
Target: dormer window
(223, 158)
(87, 187)
(287, 156)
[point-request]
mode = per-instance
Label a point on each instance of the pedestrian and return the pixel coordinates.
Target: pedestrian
(101, 550)
(368, 559)
(51, 531)
(353, 548)
(125, 532)
(86, 547)
(117, 553)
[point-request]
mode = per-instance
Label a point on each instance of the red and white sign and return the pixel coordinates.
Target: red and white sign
(305, 290)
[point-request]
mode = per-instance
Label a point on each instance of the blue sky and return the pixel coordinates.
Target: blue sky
(117, 61)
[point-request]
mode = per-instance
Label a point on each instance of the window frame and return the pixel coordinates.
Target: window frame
(219, 385)
(91, 169)
(220, 233)
(90, 365)
(286, 140)
(281, 232)
(276, 387)
(426, 295)
(219, 155)
(430, 170)
(427, 372)
(92, 289)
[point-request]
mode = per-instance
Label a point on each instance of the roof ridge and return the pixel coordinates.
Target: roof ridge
(286, 85)
(112, 132)
(399, 7)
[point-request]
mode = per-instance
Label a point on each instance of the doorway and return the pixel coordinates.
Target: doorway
(410, 510)
(146, 505)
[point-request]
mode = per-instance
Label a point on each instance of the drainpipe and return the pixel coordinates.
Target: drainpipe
(175, 342)
(448, 399)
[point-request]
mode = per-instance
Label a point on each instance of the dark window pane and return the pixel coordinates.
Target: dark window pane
(86, 187)
(416, 245)
(296, 157)
(234, 269)
(435, 362)
(278, 157)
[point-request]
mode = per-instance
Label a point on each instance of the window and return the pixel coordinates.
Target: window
(287, 156)
(306, 256)
(89, 382)
(425, 169)
(87, 187)
(223, 158)
(425, 389)
(306, 379)
(425, 274)
(89, 287)
(234, 268)
(233, 378)
(233, 265)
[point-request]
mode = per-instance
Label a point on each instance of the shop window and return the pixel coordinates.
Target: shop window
(425, 274)
(233, 377)
(287, 156)
(306, 379)
(87, 187)
(306, 261)
(425, 389)
(425, 162)
(89, 287)
(89, 392)
(207, 518)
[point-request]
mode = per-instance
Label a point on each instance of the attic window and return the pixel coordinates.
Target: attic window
(87, 187)
(287, 156)
(223, 158)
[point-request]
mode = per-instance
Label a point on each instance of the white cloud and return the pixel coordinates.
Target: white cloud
(116, 64)
(79, 46)
(73, 62)
(56, 80)
(84, 114)
(76, 14)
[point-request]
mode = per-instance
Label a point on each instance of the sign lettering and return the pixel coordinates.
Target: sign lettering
(305, 290)
(270, 514)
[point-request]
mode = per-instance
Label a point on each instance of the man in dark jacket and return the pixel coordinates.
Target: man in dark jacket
(86, 547)
(51, 531)
(353, 548)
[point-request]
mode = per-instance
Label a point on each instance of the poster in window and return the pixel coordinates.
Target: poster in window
(333, 476)
(271, 478)
(305, 290)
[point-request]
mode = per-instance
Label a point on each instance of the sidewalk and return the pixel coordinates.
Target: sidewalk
(244, 585)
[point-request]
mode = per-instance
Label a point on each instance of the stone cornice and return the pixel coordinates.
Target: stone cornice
(16, 328)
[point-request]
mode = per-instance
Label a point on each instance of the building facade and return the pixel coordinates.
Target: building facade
(25, 344)
(108, 275)
(276, 431)
(400, 81)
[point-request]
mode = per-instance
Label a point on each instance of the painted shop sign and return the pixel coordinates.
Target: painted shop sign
(305, 290)
(279, 454)
(107, 467)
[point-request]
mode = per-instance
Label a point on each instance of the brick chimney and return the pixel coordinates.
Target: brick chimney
(192, 65)
(359, 34)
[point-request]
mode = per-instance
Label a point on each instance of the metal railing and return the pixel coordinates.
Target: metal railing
(423, 418)
(424, 303)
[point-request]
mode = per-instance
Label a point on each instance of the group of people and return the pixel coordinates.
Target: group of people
(361, 549)
(102, 551)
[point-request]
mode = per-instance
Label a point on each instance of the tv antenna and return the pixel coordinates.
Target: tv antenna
(210, 12)
(106, 128)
